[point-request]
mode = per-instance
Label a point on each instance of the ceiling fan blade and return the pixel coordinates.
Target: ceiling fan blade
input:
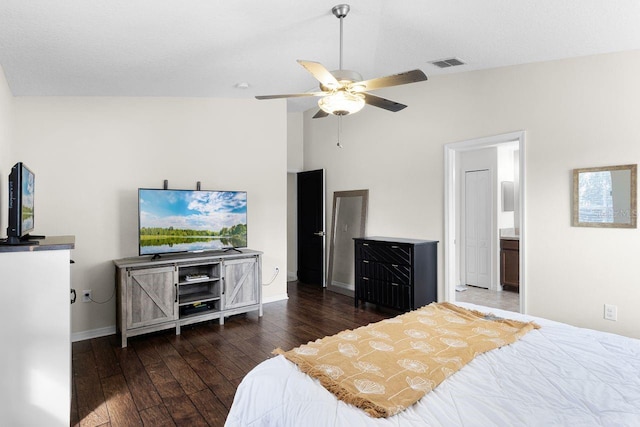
(321, 74)
(412, 76)
(291, 95)
(383, 103)
(320, 114)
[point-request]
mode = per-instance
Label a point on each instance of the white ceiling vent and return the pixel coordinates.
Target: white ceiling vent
(449, 62)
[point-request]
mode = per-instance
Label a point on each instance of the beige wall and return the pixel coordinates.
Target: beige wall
(6, 136)
(576, 113)
(295, 142)
(295, 164)
(90, 155)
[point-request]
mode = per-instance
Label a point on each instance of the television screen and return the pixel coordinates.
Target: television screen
(27, 200)
(190, 220)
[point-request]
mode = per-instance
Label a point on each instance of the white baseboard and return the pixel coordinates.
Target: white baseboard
(93, 333)
(291, 276)
(343, 285)
(275, 298)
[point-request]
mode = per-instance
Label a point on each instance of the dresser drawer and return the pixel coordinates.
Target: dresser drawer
(383, 272)
(391, 253)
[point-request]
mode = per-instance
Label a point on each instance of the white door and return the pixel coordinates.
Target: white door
(477, 226)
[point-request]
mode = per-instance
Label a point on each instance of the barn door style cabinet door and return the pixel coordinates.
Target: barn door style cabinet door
(241, 283)
(178, 290)
(151, 296)
(395, 272)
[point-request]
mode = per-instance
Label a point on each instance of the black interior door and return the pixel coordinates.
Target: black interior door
(311, 230)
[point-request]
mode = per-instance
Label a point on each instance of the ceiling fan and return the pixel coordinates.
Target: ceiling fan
(344, 92)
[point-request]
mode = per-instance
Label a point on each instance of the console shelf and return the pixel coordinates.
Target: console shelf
(178, 290)
(198, 297)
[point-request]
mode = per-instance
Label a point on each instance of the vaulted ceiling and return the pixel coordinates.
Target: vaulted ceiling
(208, 48)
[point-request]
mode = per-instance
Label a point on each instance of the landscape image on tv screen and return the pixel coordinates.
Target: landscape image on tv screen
(187, 221)
(28, 180)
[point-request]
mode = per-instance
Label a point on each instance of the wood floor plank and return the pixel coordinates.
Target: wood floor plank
(252, 351)
(144, 393)
(164, 347)
(91, 405)
(81, 347)
(105, 358)
(226, 391)
(183, 373)
(223, 363)
(181, 344)
(122, 409)
(207, 404)
(205, 370)
(164, 382)
(184, 413)
(156, 416)
(146, 349)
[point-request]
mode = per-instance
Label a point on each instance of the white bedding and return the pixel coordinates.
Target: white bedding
(558, 375)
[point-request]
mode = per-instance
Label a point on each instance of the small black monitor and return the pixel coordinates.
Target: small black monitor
(21, 206)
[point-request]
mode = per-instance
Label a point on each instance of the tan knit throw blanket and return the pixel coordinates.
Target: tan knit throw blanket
(387, 366)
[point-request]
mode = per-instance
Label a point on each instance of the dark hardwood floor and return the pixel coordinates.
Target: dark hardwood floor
(162, 379)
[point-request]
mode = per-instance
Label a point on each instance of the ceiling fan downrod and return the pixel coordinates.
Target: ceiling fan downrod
(340, 11)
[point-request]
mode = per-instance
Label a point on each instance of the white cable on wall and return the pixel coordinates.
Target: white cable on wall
(273, 278)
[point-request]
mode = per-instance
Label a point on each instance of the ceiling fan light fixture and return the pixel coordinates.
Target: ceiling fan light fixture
(343, 92)
(341, 103)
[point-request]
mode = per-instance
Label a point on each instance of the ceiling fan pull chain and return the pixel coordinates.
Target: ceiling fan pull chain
(339, 131)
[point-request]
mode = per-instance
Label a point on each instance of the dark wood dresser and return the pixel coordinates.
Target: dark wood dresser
(395, 272)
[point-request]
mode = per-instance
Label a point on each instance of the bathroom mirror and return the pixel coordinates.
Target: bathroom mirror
(507, 196)
(348, 220)
(605, 197)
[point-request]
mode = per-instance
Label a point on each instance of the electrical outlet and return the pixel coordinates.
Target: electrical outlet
(611, 312)
(86, 295)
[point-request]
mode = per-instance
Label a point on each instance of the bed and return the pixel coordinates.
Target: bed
(557, 375)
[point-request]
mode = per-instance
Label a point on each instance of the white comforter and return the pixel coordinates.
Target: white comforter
(558, 375)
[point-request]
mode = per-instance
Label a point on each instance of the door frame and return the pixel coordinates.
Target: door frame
(450, 225)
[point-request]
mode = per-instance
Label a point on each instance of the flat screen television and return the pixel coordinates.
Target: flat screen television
(191, 220)
(21, 206)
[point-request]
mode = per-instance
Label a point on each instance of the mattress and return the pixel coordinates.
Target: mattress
(558, 375)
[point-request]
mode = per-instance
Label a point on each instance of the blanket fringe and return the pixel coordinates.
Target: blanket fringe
(331, 385)
(462, 310)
